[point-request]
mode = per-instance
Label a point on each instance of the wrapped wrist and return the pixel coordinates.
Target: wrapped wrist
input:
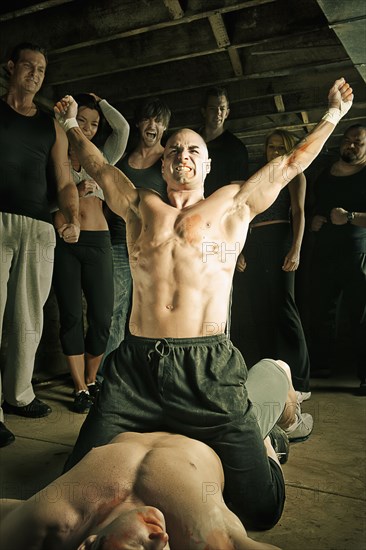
(333, 115)
(67, 123)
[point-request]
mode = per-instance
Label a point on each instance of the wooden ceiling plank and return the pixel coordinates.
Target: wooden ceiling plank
(34, 8)
(68, 73)
(219, 30)
(347, 19)
(304, 115)
(280, 106)
(185, 20)
(174, 8)
(251, 90)
(235, 61)
(277, 63)
(132, 89)
(293, 127)
(225, 79)
(83, 42)
(135, 54)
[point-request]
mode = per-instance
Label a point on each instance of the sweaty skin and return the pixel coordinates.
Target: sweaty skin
(181, 480)
(183, 254)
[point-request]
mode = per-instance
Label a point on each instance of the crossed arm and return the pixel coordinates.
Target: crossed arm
(338, 216)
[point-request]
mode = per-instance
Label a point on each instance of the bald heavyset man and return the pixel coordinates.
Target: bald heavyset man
(177, 371)
(139, 491)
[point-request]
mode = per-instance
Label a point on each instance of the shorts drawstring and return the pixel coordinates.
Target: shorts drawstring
(165, 346)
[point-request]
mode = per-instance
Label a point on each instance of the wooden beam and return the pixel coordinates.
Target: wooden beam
(150, 55)
(280, 106)
(222, 40)
(83, 40)
(219, 30)
(291, 127)
(305, 118)
(34, 8)
(176, 81)
(121, 62)
(235, 61)
(174, 8)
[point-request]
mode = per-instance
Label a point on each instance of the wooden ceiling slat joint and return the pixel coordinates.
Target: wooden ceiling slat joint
(219, 30)
(174, 8)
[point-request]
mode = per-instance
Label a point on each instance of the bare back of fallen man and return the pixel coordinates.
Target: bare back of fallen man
(153, 491)
(183, 254)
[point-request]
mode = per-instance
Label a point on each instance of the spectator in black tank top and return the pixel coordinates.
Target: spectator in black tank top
(28, 139)
(142, 166)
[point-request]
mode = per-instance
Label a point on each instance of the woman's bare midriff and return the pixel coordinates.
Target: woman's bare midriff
(91, 215)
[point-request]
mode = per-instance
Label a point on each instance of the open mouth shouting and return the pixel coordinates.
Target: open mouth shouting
(151, 135)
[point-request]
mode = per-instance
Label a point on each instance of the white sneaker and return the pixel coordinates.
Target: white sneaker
(303, 396)
(301, 428)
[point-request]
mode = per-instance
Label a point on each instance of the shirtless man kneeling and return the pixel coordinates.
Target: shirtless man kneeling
(150, 491)
(177, 371)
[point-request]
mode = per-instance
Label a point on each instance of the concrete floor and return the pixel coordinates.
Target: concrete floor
(325, 476)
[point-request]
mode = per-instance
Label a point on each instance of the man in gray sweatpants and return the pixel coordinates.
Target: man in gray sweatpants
(29, 141)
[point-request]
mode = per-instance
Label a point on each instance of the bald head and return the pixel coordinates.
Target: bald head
(185, 161)
(186, 135)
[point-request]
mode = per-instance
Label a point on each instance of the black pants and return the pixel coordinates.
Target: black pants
(334, 275)
(265, 321)
(84, 266)
(195, 387)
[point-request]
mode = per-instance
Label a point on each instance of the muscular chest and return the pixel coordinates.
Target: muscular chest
(182, 239)
(169, 227)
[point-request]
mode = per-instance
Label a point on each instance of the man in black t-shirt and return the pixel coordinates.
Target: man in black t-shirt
(229, 156)
(339, 256)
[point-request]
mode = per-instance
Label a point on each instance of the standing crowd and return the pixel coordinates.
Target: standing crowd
(171, 372)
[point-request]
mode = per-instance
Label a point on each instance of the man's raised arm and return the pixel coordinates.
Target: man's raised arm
(119, 192)
(262, 189)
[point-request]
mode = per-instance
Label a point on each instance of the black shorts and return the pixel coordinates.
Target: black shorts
(194, 387)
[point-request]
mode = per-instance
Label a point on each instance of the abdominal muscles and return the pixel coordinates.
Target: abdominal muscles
(179, 293)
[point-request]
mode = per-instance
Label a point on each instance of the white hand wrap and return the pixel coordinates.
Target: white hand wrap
(333, 115)
(67, 123)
